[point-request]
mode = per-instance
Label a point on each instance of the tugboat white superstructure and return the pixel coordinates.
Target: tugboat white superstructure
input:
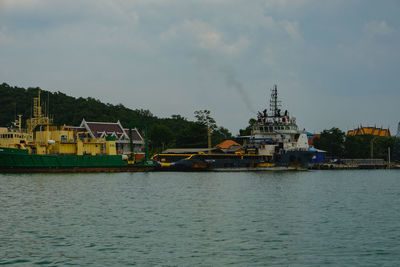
(278, 127)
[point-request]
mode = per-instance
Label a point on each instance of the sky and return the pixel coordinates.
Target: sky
(335, 62)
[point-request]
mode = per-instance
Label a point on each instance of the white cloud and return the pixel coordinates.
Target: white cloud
(284, 4)
(375, 28)
(119, 11)
(206, 37)
(16, 3)
(4, 37)
(292, 28)
(269, 56)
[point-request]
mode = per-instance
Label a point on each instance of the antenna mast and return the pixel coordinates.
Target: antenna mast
(275, 104)
(39, 118)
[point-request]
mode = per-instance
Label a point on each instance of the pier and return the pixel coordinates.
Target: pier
(347, 164)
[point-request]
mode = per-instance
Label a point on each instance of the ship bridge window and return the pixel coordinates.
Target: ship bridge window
(63, 138)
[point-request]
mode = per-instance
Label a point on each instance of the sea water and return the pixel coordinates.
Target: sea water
(314, 218)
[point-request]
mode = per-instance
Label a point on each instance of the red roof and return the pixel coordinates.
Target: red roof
(98, 128)
(227, 144)
(102, 129)
(135, 134)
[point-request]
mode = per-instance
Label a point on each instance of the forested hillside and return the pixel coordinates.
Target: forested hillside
(175, 131)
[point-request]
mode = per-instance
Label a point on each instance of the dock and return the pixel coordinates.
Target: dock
(349, 164)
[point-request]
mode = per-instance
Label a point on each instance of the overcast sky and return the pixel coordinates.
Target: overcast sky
(336, 63)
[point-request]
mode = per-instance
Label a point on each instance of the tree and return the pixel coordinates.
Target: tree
(396, 150)
(247, 130)
(194, 135)
(204, 118)
(178, 117)
(332, 141)
(219, 135)
(161, 137)
(381, 147)
(358, 147)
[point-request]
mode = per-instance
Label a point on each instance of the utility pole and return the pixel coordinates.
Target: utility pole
(131, 156)
(209, 139)
(372, 147)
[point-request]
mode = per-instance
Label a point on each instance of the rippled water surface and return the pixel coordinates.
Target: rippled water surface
(343, 218)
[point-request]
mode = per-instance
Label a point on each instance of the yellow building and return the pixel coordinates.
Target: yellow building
(374, 131)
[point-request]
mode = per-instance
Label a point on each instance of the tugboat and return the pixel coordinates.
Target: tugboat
(275, 143)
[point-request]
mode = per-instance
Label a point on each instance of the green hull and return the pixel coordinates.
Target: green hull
(20, 160)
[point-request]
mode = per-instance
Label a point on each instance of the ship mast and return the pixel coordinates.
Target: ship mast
(38, 117)
(275, 104)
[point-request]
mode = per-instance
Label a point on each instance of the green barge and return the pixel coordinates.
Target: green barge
(20, 160)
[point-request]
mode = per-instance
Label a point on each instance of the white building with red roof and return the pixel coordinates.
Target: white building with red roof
(115, 129)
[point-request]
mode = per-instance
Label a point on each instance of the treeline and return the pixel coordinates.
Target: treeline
(337, 144)
(175, 131)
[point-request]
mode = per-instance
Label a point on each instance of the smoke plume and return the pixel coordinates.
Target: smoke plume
(232, 82)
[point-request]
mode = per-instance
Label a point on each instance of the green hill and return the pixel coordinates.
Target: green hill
(175, 131)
